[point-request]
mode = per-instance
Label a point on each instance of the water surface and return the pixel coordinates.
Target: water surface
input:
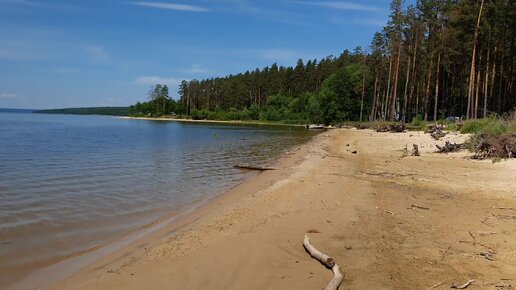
(73, 183)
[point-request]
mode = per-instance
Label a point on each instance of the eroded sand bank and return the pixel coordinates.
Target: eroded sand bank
(390, 223)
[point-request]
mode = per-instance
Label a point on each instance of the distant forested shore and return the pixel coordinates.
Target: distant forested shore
(433, 59)
(110, 111)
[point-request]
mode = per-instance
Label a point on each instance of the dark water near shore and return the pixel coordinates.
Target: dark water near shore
(72, 183)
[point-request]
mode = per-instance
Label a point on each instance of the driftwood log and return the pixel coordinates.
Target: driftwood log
(398, 128)
(449, 147)
(258, 168)
(415, 150)
(327, 261)
(436, 131)
(463, 286)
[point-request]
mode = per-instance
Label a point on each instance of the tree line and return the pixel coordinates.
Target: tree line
(433, 59)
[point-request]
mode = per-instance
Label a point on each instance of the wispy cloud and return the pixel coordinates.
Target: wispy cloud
(340, 5)
(8, 96)
(17, 2)
(153, 80)
(97, 53)
(279, 54)
(359, 21)
(196, 69)
(171, 6)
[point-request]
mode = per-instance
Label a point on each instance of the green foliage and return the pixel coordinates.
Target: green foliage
(339, 96)
(159, 104)
(418, 123)
(491, 125)
(110, 111)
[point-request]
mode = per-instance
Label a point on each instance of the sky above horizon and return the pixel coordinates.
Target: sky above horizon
(59, 54)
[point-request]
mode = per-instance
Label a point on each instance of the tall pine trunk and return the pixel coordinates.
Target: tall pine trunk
(472, 70)
(429, 79)
(405, 95)
(436, 101)
(395, 86)
(385, 103)
(486, 82)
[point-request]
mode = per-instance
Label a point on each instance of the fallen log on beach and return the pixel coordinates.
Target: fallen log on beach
(449, 147)
(327, 261)
(257, 168)
(398, 128)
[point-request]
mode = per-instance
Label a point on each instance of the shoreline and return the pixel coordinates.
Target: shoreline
(356, 206)
(232, 122)
(133, 241)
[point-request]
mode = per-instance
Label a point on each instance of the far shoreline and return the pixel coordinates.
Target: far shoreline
(235, 122)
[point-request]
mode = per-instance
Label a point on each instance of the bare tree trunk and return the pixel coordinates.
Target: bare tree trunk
(500, 86)
(414, 73)
(427, 92)
(384, 106)
(486, 82)
(493, 77)
(473, 56)
(405, 96)
(436, 101)
(371, 116)
(477, 90)
(382, 113)
(395, 88)
(363, 91)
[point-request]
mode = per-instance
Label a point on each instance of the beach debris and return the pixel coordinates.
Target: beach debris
(420, 207)
(354, 152)
(463, 286)
(327, 261)
(248, 167)
(490, 146)
(449, 147)
(487, 255)
(435, 285)
(361, 126)
(393, 128)
(405, 152)
(445, 252)
(436, 131)
(415, 150)
(313, 231)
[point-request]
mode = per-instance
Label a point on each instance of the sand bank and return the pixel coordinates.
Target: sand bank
(390, 223)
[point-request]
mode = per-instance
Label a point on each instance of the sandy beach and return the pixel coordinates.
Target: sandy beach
(389, 222)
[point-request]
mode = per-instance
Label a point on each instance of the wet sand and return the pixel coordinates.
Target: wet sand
(390, 223)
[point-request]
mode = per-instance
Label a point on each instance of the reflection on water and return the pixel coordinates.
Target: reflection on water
(71, 183)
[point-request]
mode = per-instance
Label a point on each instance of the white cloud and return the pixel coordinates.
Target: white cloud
(153, 80)
(9, 96)
(196, 69)
(171, 6)
(340, 5)
(359, 21)
(97, 53)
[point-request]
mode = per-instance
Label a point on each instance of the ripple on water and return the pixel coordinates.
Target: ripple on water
(70, 183)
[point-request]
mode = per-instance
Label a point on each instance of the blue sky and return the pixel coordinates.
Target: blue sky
(56, 54)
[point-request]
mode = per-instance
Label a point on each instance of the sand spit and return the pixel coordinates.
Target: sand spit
(389, 222)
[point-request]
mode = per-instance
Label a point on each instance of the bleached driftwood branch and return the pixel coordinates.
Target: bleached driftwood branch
(258, 168)
(326, 261)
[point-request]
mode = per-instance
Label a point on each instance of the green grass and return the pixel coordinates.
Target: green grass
(491, 125)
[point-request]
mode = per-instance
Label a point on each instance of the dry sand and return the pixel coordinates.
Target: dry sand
(367, 210)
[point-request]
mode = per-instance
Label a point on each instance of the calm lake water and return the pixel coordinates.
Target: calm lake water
(72, 183)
